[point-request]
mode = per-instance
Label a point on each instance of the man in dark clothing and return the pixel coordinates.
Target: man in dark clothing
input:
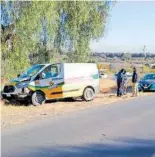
(135, 82)
(119, 82)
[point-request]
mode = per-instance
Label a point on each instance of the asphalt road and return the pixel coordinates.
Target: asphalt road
(123, 129)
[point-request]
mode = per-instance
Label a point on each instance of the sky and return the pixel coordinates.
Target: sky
(131, 25)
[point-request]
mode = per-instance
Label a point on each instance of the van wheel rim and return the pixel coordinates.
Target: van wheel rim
(89, 94)
(39, 98)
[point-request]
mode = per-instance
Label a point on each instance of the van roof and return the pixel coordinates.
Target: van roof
(46, 64)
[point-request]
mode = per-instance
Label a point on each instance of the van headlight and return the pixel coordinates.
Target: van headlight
(22, 85)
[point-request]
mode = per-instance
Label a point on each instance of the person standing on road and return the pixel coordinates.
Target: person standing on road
(134, 83)
(119, 82)
(124, 83)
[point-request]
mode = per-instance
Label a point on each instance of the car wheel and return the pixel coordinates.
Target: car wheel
(38, 98)
(88, 94)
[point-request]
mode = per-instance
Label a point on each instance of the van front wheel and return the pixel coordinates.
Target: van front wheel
(38, 98)
(88, 94)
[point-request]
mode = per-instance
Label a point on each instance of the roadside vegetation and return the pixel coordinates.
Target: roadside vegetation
(41, 32)
(49, 31)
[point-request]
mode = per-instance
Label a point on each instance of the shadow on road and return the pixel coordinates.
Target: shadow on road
(28, 103)
(122, 148)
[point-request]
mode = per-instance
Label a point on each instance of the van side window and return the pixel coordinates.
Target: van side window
(47, 72)
(55, 70)
(51, 71)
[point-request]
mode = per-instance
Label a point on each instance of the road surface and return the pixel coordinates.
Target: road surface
(122, 129)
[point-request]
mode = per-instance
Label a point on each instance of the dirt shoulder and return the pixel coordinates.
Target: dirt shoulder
(16, 114)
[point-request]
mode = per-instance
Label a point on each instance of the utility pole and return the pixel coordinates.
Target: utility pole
(144, 52)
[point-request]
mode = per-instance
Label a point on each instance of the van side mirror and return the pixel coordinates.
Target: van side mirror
(43, 75)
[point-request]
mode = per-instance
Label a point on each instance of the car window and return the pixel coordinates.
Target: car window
(55, 70)
(47, 72)
(32, 71)
(149, 76)
(51, 71)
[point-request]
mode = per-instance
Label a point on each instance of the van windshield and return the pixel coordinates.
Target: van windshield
(31, 71)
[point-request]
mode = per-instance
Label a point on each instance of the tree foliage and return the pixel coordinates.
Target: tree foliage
(126, 57)
(41, 31)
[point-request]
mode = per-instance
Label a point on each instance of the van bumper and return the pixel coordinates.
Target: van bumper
(10, 96)
(18, 93)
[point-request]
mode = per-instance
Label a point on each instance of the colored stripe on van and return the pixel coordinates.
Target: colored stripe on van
(37, 87)
(96, 76)
(72, 90)
(44, 87)
(60, 84)
(56, 79)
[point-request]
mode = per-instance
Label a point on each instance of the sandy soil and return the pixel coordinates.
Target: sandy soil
(16, 114)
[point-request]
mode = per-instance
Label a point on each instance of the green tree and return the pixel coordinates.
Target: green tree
(84, 22)
(50, 30)
(26, 33)
(126, 57)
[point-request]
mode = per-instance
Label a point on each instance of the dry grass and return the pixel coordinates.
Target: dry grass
(107, 85)
(13, 114)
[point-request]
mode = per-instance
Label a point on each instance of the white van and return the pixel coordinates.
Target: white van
(53, 81)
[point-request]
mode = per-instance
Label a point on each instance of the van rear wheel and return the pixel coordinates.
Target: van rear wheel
(88, 94)
(38, 98)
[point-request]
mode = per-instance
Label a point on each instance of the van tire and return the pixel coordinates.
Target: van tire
(88, 94)
(38, 98)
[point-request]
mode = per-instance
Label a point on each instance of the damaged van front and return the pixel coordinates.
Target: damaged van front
(17, 88)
